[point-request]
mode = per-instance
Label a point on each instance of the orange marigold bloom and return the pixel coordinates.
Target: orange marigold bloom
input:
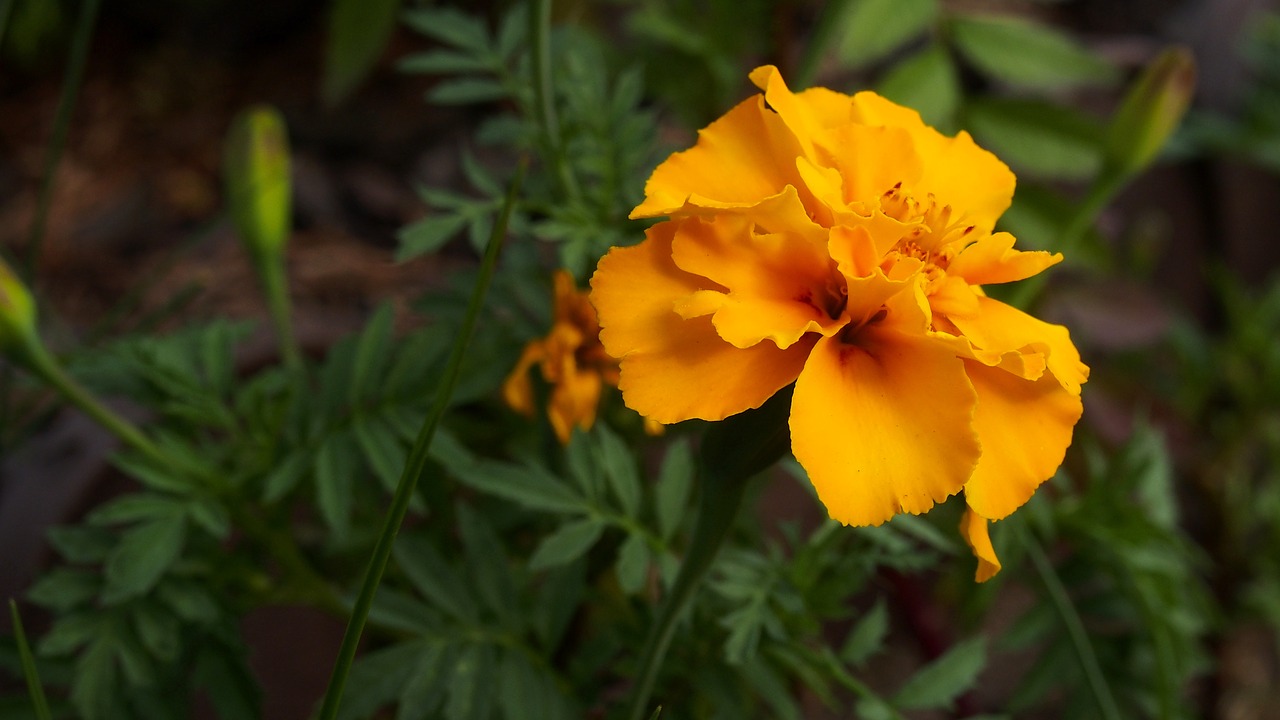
(572, 361)
(841, 244)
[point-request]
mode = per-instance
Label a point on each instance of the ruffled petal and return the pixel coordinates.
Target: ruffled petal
(883, 426)
(867, 285)
(1025, 427)
(779, 286)
(1001, 329)
(517, 389)
(673, 369)
(956, 171)
(742, 158)
(973, 528)
(574, 401)
(992, 260)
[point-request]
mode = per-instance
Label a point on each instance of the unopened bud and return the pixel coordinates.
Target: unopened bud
(256, 166)
(1151, 111)
(17, 314)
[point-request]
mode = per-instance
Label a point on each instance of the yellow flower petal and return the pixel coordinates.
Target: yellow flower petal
(883, 426)
(744, 157)
(780, 286)
(973, 528)
(867, 286)
(956, 171)
(675, 369)
(1025, 427)
(517, 389)
(574, 401)
(1001, 328)
(992, 259)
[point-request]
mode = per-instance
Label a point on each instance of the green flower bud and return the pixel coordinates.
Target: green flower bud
(17, 315)
(1150, 112)
(256, 168)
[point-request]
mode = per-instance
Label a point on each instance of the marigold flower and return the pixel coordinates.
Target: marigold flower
(572, 361)
(840, 244)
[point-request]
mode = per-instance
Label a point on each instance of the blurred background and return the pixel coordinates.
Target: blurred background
(1173, 296)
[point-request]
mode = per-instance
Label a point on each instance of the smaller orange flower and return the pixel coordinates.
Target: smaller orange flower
(572, 361)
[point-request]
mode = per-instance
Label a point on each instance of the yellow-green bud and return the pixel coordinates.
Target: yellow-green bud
(1151, 111)
(256, 168)
(17, 314)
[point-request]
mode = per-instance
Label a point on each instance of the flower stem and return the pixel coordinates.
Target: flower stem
(1075, 628)
(276, 285)
(733, 451)
(1101, 193)
(544, 97)
(29, 672)
(38, 360)
(416, 463)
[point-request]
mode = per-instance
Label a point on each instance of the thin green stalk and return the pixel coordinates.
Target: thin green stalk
(1075, 629)
(276, 285)
(40, 363)
(825, 30)
(61, 124)
(544, 97)
(1104, 189)
(416, 463)
(733, 451)
(34, 688)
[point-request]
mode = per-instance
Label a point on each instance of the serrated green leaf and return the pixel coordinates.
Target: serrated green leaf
(377, 678)
(285, 476)
(96, 683)
(211, 516)
(189, 601)
(370, 360)
(1023, 52)
(81, 543)
(568, 543)
(133, 508)
(397, 611)
(69, 633)
(466, 91)
(335, 468)
(527, 485)
(62, 589)
(433, 577)
(425, 691)
(558, 598)
(488, 566)
(443, 62)
(633, 564)
(620, 469)
(928, 82)
(1037, 138)
(937, 684)
(228, 682)
(158, 633)
(471, 685)
(358, 35)
(427, 235)
(479, 177)
(167, 479)
(867, 637)
(144, 553)
(382, 451)
(873, 28)
(450, 26)
(674, 480)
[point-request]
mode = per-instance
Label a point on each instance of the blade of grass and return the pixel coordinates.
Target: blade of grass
(1061, 601)
(34, 688)
(417, 461)
(61, 124)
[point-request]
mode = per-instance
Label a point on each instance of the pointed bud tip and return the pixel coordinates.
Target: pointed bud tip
(256, 166)
(17, 312)
(1151, 111)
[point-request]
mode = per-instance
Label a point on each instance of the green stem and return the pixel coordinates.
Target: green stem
(38, 360)
(34, 688)
(276, 285)
(1075, 629)
(733, 451)
(1101, 193)
(416, 463)
(61, 124)
(544, 97)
